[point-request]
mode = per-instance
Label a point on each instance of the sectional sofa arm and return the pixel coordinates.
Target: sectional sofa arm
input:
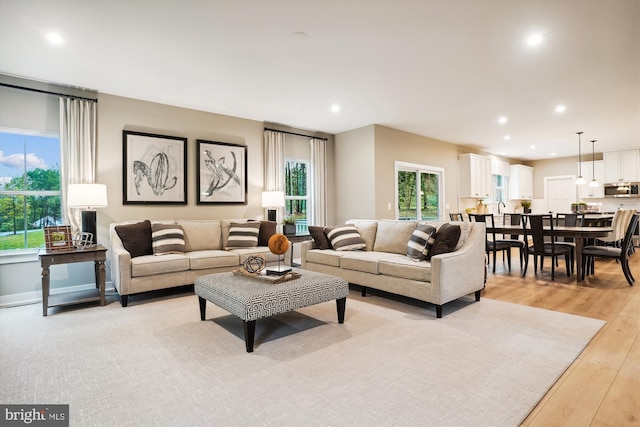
(460, 273)
(120, 265)
(304, 247)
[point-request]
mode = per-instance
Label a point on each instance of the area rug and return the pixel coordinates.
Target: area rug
(484, 363)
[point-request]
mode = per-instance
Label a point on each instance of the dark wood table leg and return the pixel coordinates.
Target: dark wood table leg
(203, 307)
(101, 280)
(340, 305)
(45, 289)
(249, 334)
(579, 244)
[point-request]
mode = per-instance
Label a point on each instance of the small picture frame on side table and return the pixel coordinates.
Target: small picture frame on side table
(58, 238)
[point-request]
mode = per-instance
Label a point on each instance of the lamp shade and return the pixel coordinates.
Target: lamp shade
(272, 199)
(87, 196)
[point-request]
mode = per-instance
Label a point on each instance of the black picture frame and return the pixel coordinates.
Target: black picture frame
(221, 173)
(154, 169)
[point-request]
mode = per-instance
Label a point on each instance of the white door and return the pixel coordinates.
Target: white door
(559, 193)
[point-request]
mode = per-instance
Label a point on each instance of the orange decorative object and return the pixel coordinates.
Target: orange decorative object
(279, 244)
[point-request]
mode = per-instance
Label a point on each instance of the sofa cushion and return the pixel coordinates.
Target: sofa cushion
(445, 241)
(325, 257)
(201, 235)
(420, 241)
(319, 237)
(392, 236)
(136, 238)
(465, 230)
(200, 260)
(404, 268)
(243, 235)
(345, 238)
(245, 253)
(225, 225)
(367, 229)
(365, 261)
(167, 239)
(152, 265)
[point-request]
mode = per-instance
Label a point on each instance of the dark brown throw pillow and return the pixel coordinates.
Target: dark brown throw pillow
(445, 241)
(318, 235)
(267, 229)
(136, 238)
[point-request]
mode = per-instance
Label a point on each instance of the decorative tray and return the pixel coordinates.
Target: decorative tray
(262, 277)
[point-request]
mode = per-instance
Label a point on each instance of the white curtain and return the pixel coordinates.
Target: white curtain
(78, 145)
(318, 182)
(274, 145)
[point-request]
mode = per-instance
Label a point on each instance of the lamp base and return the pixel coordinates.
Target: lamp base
(89, 225)
(278, 271)
(271, 215)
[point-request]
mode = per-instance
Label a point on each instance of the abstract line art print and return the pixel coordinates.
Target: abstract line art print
(222, 172)
(154, 168)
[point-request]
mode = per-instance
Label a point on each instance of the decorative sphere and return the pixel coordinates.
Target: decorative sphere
(279, 244)
(254, 264)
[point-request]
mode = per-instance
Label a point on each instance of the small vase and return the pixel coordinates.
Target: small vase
(289, 229)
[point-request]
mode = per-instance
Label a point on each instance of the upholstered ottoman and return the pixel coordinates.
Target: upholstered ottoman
(251, 299)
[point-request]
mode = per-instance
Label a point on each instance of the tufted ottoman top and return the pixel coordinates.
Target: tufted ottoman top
(252, 299)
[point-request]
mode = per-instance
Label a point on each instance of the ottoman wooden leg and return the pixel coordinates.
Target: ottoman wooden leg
(203, 307)
(249, 334)
(340, 305)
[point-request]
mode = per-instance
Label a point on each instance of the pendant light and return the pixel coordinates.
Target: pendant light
(594, 182)
(580, 180)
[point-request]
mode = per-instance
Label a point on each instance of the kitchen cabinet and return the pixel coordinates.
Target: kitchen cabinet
(520, 182)
(475, 176)
(588, 171)
(621, 166)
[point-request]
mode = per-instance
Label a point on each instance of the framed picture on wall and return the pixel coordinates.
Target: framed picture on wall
(154, 169)
(221, 172)
(58, 238)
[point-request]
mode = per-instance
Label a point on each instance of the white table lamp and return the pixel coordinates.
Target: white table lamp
(88, 197)
(271, 200)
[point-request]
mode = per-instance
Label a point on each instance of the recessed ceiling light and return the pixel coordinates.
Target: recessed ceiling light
(299, 35)
(533, 147)
(502, 120)
(534, 39)
(335, 108)
(507, 137)
(561, 108)
(553, 154)
(55, 38)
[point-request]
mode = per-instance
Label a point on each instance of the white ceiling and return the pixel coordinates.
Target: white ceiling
(442, 69)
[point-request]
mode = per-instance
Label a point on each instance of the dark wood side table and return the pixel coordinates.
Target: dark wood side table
(297, 238)
(97, 254)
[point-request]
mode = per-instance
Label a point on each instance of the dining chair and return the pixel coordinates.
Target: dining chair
(534, 227)
(456, 217)
(621, 254)
(619, 224)
(493, 245)
(514, 239)
(573, 219)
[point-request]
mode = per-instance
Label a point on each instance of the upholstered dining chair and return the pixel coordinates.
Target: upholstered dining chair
(514, 240)
(541, 248)
(621, 254)
(573, 219)
(493, 245)
(456, 217)
(619, 224)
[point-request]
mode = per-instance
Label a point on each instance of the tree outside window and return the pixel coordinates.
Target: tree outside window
(296, 193)
(29, 189)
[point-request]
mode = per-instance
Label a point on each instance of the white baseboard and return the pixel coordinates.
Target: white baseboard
(35, 297)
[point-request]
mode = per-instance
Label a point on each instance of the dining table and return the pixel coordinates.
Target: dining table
(579, 235)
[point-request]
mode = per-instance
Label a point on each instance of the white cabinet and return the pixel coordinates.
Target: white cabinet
(520, 182)
(588, 172)
(622, 166)
(475, 176)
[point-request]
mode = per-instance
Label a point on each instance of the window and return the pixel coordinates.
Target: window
(419, 192)
(29, 188)
(296, 193)
(500, 189)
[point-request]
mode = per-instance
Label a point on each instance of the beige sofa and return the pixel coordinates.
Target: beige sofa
(204, 253)
(384, 263)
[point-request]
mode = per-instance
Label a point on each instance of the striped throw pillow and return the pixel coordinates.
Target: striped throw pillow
(345, 238)
(243, 235)
(167, 239)
(420, 241)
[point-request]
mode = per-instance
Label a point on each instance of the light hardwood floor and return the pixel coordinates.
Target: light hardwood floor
(602, 387)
